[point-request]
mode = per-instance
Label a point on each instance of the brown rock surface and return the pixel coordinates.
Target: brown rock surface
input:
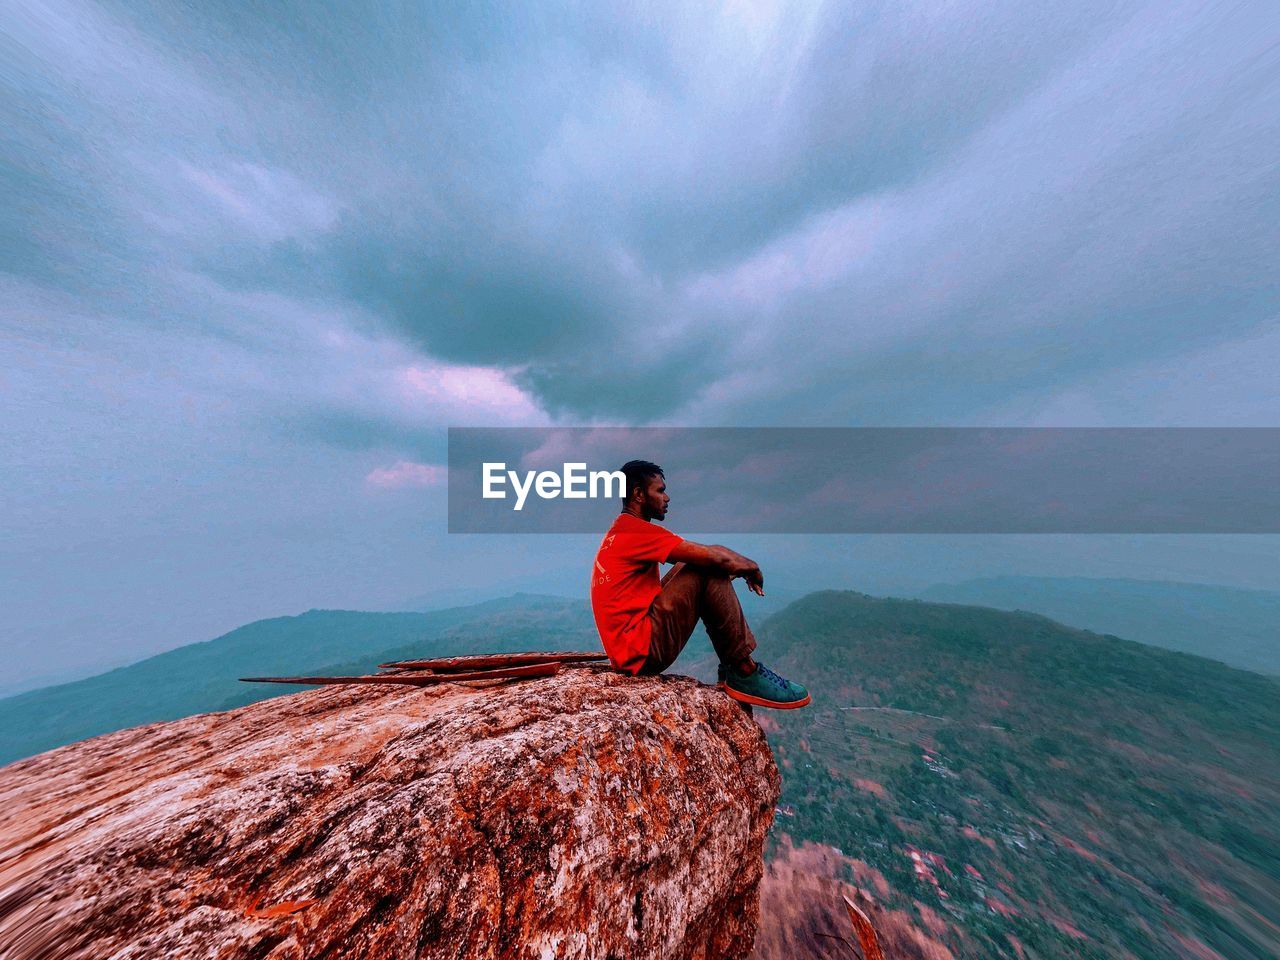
(584, 815)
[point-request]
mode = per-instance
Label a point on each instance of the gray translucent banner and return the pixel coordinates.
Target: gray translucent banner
(877, 480)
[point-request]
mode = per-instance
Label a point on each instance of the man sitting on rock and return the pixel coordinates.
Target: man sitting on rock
(645, 622)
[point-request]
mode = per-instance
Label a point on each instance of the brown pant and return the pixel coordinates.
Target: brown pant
(690, 594)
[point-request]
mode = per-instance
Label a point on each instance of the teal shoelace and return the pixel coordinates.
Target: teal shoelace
(771, 676)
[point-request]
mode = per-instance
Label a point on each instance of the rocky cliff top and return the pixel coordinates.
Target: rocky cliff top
(583, 815)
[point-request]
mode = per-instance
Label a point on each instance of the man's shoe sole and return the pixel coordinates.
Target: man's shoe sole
(761, 702)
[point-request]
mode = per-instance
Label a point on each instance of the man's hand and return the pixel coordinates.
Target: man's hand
(716, 557)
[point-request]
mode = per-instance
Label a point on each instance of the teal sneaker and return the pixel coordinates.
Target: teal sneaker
(763, 688)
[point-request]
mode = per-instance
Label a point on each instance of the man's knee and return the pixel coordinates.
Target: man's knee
(718, 595)
(692, 592)
(717, 582)
(705, 575)
(688, 582)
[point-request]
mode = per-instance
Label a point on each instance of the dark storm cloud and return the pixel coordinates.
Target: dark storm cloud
(536, 188)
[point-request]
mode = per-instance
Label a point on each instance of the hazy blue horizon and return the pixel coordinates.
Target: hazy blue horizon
(781, 590)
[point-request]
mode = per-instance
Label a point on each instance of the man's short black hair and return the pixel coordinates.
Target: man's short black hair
(639, 473)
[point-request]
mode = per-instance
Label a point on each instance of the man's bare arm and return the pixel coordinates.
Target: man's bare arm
(716, 557)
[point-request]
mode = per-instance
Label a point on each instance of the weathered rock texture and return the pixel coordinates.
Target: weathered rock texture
(584, 815)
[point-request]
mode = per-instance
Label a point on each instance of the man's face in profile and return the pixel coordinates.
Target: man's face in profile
(654, 505)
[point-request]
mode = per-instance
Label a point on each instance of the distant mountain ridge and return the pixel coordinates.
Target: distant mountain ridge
(201, 677)
(1236, 626)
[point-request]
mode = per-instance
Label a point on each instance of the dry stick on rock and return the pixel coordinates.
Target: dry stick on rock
(483, 660)
(419, 680)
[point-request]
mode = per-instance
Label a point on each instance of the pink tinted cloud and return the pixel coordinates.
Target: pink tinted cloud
(482, 387)
(406, 473)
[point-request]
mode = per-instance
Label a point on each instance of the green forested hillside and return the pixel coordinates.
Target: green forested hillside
(203, 676)
(1239, 627)
(1065, 794)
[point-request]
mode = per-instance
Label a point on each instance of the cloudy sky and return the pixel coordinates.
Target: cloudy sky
(257, 256)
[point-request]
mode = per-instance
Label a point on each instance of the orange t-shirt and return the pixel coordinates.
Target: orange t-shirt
(624, 581)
